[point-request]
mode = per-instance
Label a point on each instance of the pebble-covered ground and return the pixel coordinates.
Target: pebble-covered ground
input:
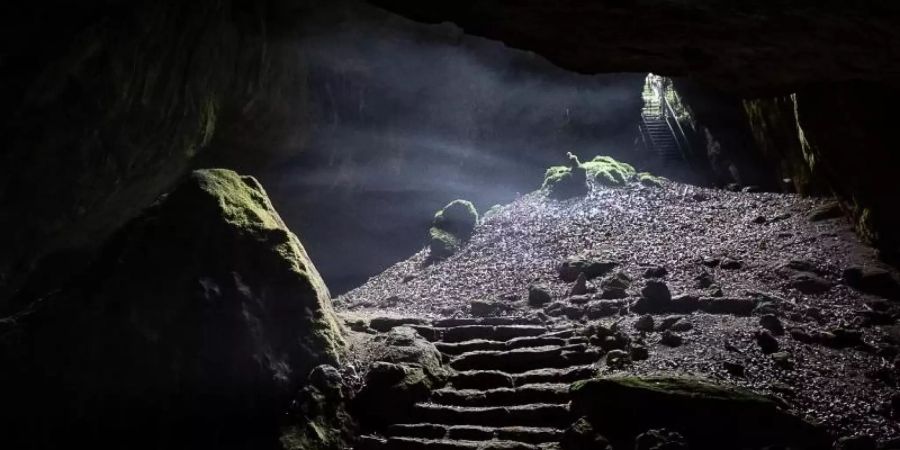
(761, 246)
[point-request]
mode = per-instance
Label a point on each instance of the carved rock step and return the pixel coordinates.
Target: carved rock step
(456, 322)
(533, 393)
(531, 435)
(536, 415)
(522, 360)
(457, 348)
(407, 443)
(489, 379)
(487, 332)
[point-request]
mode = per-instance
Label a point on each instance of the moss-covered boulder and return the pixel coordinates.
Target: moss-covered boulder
(710, 416)
(194, 327)
(564, 182)
(451, 228)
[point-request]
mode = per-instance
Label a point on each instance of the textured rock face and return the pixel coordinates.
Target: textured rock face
(749, 48)
(107, 105)
(202, 314)
(708, 415)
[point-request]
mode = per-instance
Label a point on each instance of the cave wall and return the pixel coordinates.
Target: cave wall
(106, 104)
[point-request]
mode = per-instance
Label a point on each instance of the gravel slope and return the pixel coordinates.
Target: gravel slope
(681, 228)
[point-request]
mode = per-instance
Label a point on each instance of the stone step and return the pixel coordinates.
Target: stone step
(409, 443)
(457, 348)
(488, 332)
(537, 415)
(532, 393)
(530, 435)
(525, 359)
(490, 379)
(456, 322)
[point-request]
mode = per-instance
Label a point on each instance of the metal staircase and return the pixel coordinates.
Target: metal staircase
(659, 129)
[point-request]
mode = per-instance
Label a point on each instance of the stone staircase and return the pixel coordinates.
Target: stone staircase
(509, 387)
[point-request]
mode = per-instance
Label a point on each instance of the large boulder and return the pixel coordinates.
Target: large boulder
(195, 325)
(405, 369)
(709, 416)
(451, 228)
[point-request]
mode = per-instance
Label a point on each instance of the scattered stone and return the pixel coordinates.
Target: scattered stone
(580, 299)
(735, 368)
(682, 326)
(639, 352)
(699, 197)
(614, 294)
(783, 360)
(671, 339)
(660, 440)
(728, 305)
(872, 280)
(767, 343)
(809, 283)
(752, 188)
(485, 308)
(731, 348)
(704, 280)
(604, 308)
(710, 262)
(580, 287)
(772, 323)
(656, 272)
(563, 309)
(830, 210)
(856, 443)
(385, 324)
(668, 322)
(716, 291)
(616, 281)
(538, 296)
(759, 220)
(582, 436)
(656, 292)
(731, 264)
(569, 270)
(644, 323)
(801, 265)
(618, 359)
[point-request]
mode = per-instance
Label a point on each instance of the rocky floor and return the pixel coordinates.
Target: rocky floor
(743, 288)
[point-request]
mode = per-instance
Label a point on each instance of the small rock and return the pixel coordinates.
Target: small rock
(616, 281)
(731, 264)
(582, 436)
(759, 220)
(485, 308)
(685, 304)
(569, 270)
(599, 309)
(731, 348)
(828, 211)
(580, 299)
(735, 368)
(671, 339)
(644, 323)
(856, 443)
(656, 272)
(783, 360)
(538, 296)
(872, 280)
(656, 292)
(682, 326)
(668, 322)
(614, 294)
(660, 440)
(580, 287)
(716, 291)
(809, 283)
(728, 305)
(704, 280)
(618, 359)
(699, 197)
(639, 353)
(772, 323)
(710, 262)
(767, 343)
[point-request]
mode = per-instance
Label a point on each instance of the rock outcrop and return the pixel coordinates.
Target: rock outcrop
(194, 327)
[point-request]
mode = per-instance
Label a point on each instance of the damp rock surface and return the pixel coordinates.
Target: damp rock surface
(833, 363)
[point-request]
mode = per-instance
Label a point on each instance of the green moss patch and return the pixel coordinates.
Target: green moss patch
(563, 182)
(709, 415)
